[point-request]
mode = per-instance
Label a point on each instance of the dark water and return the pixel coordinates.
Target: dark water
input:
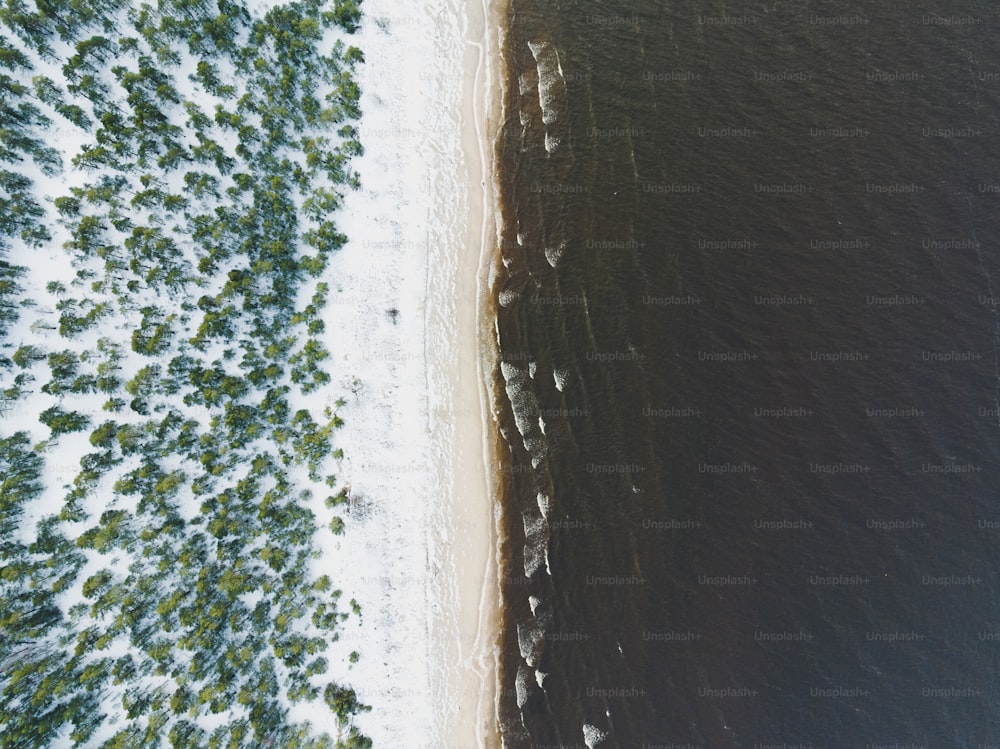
(758, 250)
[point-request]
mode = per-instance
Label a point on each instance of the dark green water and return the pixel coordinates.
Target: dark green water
(749, 330)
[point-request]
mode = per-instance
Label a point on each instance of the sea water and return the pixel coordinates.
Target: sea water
(747, 304)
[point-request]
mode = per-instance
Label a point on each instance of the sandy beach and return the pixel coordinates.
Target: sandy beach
(419, 552)
(468, 692)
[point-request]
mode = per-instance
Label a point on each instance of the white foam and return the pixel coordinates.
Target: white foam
(537, 448)
(536, 541)
(551, 84)
(554, 254)
(524, 404)
(540, 678)
(544, 504)
(508, 297)
(521, 685)
(592, 735)
(530, 641)
(561, 376)
(522, 397)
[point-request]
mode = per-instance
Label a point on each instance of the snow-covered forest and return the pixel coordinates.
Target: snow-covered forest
(169, 176)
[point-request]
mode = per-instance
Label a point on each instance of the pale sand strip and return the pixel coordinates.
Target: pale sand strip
(469, 698)
(421, 557)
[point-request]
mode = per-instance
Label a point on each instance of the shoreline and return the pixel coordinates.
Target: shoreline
(470, 696)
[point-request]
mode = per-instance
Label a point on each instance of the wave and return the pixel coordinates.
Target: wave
(544, 507)
(536, 545)
(592, 736)
(522, 685)
(551, 89)
(554, 254)
(530, 641)
(524, 404)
